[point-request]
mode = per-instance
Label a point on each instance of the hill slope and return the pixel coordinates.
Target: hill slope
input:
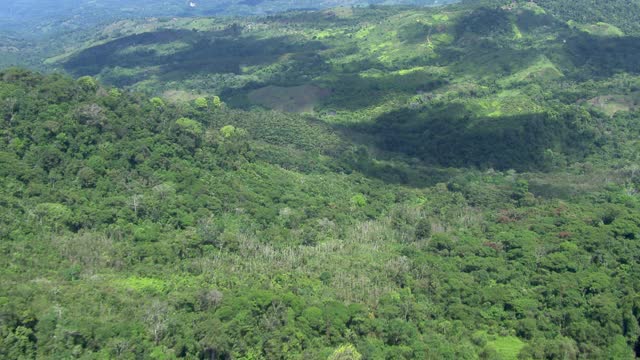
(439, 84)
(133, 228)
(624, 14)
(380, 218)
(34, 17)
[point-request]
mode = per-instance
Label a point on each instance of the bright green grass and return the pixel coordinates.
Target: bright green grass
(507, 347)
(534, 7)
(141, 284)
(517, 34)
(505, 103)
(598, 29)
(541, 70)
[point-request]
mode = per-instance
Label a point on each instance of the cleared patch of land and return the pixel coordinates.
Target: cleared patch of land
(540, 70)
(611, 104)
(296, 99)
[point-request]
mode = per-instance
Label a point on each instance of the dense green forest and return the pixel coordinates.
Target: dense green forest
(510, 73)
(621, 13)
(459, 182)
(50, 15)
(32, 30)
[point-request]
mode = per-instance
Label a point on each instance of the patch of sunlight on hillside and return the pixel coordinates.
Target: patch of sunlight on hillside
(598, 29)
(507, 347)
(541, 70)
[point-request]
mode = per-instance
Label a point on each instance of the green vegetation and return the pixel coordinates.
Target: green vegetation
(356, 183)
(612, 104)
(48, 15)
(507, 347)
(297, 99)
(598, 29)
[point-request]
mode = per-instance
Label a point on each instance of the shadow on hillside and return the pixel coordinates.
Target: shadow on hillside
(166, 52)
(484, 47)
(487, 59)
(306, 16)
(354, 86)
(496, 42)
(605, 56)
(484, 22)
(354, 92)
(452, 137)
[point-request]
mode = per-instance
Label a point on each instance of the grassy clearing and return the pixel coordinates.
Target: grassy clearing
(507, 347)
(506, 103)
(611, 104)
(517, 34)
(297, 99)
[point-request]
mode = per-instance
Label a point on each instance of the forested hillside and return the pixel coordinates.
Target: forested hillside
(44, 28)
(354, 183)
(133, 228)
(54, 15)
(437, 84)
(621, 13)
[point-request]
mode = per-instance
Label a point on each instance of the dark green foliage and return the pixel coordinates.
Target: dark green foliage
(183, 223)
(482, 86)
(621, 13)
(215, 52)
(386, 225)
(449, 137)
(484, 22)
(605, 56)
(423, 229)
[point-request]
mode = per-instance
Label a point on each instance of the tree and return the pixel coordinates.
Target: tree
(87, 83)
(156, 318)
(93, 115)
(211, 299)
(87, 177)
(228, 131)
(217, 103)
(115, 93)
(345, 352)
(53, 214)
(191, 126)
(157, 102)
(201, 103)
(358, 200)
(423, 229)
(619, 350)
